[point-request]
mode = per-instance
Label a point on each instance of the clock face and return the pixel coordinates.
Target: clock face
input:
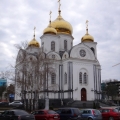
(82, 53)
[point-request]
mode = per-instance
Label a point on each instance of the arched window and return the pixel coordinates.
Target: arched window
(65, 44)
(53, 56)
(80, 77)
(65, 56)
(93, 50)
(53, 78)
(42, 46)
(53, 45)
(85, 78)
(65, 78)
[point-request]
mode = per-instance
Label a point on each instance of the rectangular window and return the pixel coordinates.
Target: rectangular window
(53, 78)
(53, 45)
(80, 77)
(65, 78)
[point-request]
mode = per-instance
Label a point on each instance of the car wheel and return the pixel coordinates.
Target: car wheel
(90, 119)
(111, 118)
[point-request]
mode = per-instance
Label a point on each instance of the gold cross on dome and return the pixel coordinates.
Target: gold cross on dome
(50, 15)
(59, 4)
(34, 31)
(87, 24)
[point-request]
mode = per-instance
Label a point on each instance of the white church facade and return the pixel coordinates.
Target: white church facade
(77, 69)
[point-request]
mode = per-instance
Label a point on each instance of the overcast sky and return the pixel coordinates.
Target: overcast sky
(18, 18)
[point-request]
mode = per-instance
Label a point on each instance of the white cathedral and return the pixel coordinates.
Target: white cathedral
(77, 69)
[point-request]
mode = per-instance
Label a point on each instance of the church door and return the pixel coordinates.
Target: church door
(83, 94)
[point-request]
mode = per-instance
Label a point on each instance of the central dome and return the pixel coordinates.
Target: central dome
(62, 26)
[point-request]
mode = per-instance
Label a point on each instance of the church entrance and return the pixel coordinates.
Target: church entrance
(83, 94)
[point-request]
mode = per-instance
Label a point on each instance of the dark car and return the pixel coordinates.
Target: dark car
(110, 113)
(69, 113)
(16, 114)
(90, 114)
(45, 115)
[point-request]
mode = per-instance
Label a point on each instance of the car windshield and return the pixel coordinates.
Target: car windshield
(21, 112)
(86, 111)
(3, 113)
(97, 112)
(16, 102)
(81, 111)
(105, 110)
(76, 111)
(115, 110)
(66, 111)
(37, 112)
(51, 112)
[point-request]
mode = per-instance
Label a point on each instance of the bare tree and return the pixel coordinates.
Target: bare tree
(110, 88)
(32, 72)
(2, 89)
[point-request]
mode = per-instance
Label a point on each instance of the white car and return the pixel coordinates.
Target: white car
(16, 103)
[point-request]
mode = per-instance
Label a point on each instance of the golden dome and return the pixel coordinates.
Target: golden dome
(61, 25)
(50, 30)
(87, 38)
(34, 42)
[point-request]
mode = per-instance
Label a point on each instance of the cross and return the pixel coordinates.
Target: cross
(34, 31)
(50, 15)
(87, 24)
(59, 4)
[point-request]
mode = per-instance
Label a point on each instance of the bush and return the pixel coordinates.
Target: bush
(51, 107)
(94, 105)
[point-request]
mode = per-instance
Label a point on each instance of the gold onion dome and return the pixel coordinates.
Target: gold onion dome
(50, 30)
(87, 37)
(34, 42)
(61, 25)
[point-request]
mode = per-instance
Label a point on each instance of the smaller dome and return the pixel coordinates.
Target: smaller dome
(87, 38)
(34, 42)
(50, 30)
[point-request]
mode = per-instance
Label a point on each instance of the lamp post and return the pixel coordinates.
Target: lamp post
(62, 92)
(47, 103)
(95, 100)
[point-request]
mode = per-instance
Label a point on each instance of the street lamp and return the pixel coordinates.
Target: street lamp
(61, 97)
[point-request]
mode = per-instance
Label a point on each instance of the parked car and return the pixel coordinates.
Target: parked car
(90, 114)
(45, 115)
(16, 114)
(69, 113)
(16, 103)
(110, 113)
(4, 103)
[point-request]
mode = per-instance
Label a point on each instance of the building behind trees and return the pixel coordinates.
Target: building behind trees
(57, 68)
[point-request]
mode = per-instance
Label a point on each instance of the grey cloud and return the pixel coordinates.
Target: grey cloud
(19, 17)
